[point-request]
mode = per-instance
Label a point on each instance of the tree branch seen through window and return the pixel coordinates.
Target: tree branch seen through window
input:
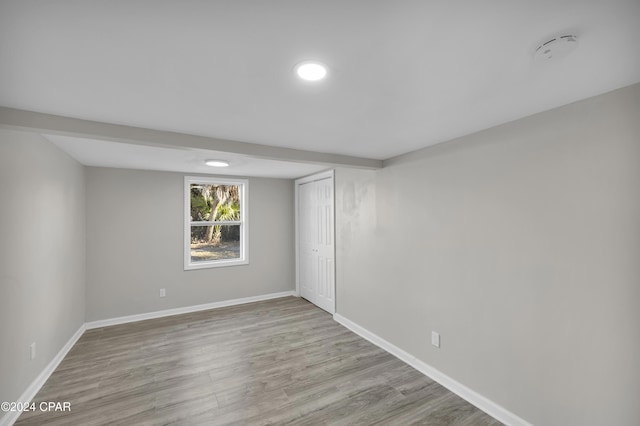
(217, 230)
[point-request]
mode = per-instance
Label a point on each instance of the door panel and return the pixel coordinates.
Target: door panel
(315, 243)
(325, 249)
(306, 241)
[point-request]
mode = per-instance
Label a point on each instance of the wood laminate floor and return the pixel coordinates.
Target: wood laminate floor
(282, 361)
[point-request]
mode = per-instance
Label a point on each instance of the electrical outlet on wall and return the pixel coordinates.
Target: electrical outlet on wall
(163, 292)
(32, 350)
(435, 339)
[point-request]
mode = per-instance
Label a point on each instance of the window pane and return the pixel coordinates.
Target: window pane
(213, 202)
(219, 242)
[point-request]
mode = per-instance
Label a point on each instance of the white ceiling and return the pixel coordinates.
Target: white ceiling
(403, 74)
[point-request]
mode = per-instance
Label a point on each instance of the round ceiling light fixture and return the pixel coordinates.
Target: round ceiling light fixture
(311, 70)
(216, 163)
(557, 47)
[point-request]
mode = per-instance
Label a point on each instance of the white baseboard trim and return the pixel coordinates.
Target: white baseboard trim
(185, 310)
(10, 417)
(498, 412)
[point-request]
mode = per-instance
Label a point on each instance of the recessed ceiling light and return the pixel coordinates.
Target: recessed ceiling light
(311, 70)
(216, 163)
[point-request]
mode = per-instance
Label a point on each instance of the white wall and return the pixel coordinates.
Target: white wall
(521, 246)
(42, 256)
(135, 245)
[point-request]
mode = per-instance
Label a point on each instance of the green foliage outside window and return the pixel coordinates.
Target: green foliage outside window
(214, 203)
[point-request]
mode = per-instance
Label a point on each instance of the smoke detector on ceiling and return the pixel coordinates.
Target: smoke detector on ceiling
(557, 47)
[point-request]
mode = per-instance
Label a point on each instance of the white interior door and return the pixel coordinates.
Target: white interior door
(306, 245)
(316, 265)
(324, 244)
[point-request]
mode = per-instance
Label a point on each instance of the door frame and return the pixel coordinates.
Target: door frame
(328, 174)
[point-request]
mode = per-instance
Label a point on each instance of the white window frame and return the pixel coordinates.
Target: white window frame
(243, 186)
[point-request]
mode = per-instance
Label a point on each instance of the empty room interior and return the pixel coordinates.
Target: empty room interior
(320, 213)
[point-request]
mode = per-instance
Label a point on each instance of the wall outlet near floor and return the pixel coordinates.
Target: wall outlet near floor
(32, 350)
(163, 292)
(435, 339)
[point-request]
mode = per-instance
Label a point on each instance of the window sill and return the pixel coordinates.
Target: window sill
(215, 264)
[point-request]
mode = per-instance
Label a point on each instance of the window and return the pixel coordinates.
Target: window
(216, 231)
